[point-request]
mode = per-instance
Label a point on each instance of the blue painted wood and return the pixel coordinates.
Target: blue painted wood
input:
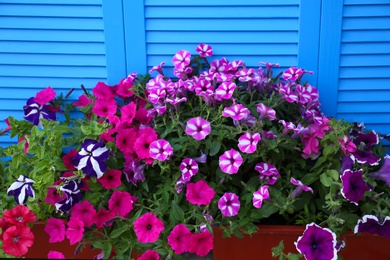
(220, 3)
(53, 59)
(329, 55)
(52, 35)
(55, 2)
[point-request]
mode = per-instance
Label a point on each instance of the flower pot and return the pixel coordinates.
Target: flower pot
(41, 246)
(259, 246)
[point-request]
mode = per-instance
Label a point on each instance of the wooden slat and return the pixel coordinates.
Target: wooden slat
(53, 2)
(366, 36)
(365, 96)
(359, 60)
(51, 23)
(51, 48)
(363, 23)
(33, 35)
(365, 83)
(220, 3)
(33, 10)
(364, 72)
(52, 59)
(366, 11)
(42, 82)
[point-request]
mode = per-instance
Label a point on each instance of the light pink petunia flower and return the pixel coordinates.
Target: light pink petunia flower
(148, 228)
(299, 189)
(259, 196)
(236, 112)
(160, 150)
(266, 112)
(247, 143)
(230, 161)
(198, 128)
(229, 204)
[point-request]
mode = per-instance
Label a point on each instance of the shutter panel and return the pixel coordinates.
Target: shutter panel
(364, 74)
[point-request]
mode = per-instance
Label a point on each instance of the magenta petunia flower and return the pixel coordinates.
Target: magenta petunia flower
(75, 230)
(292, 73)
(120, 203)
(230, 161)
(128, 113)
(103, 91)
(229, 204)
(179, 239)
(288, 94)
(157, 95)
(204, 88)
(148, 228)
(265, 112)
(384, 172)
(104, 108)
(299, 189)
(45, 96)
(83, 101)
(268, 173)
(199, 193)
(259, 196)
(125, 140)
(149, 255)
(160, 150)
(247, 143)
(201, 243)
(181, 59)
(198, 128)
(188, 167)
(102, 216)
(204, 50)
(317, 243)
(85, 212)
(55, 255)
(347, 146)
(225, 90)
(236, 112)
(56, 229)
(371, 224)
(111, 179)
(157, 68)
(354, 186)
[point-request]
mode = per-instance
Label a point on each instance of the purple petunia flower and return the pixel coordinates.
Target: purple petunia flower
(134, 171)
(317, 243)
(371, 224)
(299, 189)
(188, 168)
(259, 196)
(92, 158)
(202, 158)
(230, 161)
(21, 189)
(225, 90)
(367, 139)
(229, 204)
(236, 112)
(160, 150)
(72, 191)
(247, 143)
(365, 157)
(354, 186)
(268, 173)
(33, 112)
(384, 172)
(198, 128)
(265, 112)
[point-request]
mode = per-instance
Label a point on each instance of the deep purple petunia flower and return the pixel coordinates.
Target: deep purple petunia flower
(92, 158)
(371, 224)
(317, 243)
(354, 186)
(229, 204)
(72, 191)
(198, 128)
(21, 189)
(365, 157)
(346, 163)
(367, 139)
(384, 172)
(33, 112)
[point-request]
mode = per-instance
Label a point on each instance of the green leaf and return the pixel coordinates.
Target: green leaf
(325, 180)
(117, 232)
(177, 211)
(215, 147)
(333, 174)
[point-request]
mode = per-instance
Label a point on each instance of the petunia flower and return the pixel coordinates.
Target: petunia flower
(371, 224)
(354, 186)
(157, 68)
(104, 108)
(225, 90)
(19, 215)
(72, 195)
(83, 101)
(149, 255)
(102, 216)
(160, 150)
(201, 243)
(92, 158)
(181, 59)
(346, 164)
(366, 139)
(123, 89)
(55, 255)
(188, 168)
(384, 172)
(103, 91)
(75, 230)
(299, 189)
(128, 113)
(204, 50)
(292, 73)
(362, 157)
(347, 146)
(111, 180)
(56, 229)
(134, 171)
(120, 203)
(317, 243)
(67, 159)
(247, 143)
(268, 173)
(33, 112)
(202, 158)
(17, 239)
(199, 193)
(148, 228)
(229, 204)
(179, 239)
(236, 112)
(265, 112)
(85, 212)
(259, 196)
(125, 140)
(230, 161)
(21, 189)
(198, 128)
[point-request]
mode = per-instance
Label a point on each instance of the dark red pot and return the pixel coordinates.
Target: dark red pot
(363, 246)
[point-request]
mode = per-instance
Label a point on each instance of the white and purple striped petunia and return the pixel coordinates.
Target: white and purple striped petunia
(230, 161)
(33, 112)
(198, 128)
(160, 150)
(188, 168)
(73, 195)
(259, 196)
(92, 158)
(181, 59)
(225, 90)
(265, 112)
(204, 50)
(268, 172)
(21, 189)
(292, 73)
(299, 189)
(229, 204)
(247, 143)
(236, 112)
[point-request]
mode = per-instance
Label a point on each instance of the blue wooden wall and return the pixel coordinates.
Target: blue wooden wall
(65, 43)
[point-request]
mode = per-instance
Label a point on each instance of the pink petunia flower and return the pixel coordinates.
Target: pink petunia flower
(102, 216)
(299, 189)
(265, 112)
(204, 50)
(268, 173)
(104, 108)
(124, 87)
(230, 161)
(229, 204)
(85, 212)
(160, 150)
(181, 59)
(149, 255)
(179, 239)
(201, 243)
(292, 73)
(19, 215)
(45, 96)
(66, 159)
(225, 90)
(125, 140)
(236, 112)
(103, 91)
(157, 68)
(199, 193)
(111, 179)
(188, 167)
(198, 128)
(247, 143)
(120, 203)
(128, 113)
(56, 229)
(259, 196)
(142, 143)
(83, 101)
(17, 239)
(148, 228)
(75, 230)
(347, 146)
(55, 255)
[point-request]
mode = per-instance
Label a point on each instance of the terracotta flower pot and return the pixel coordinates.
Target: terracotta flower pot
(41, 246)
(363, 246)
